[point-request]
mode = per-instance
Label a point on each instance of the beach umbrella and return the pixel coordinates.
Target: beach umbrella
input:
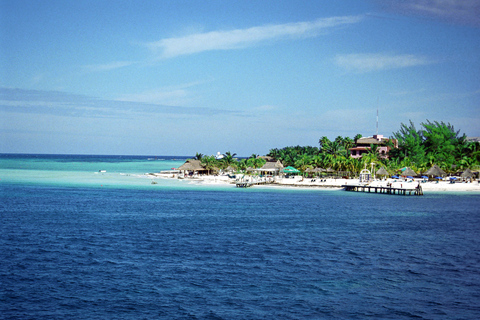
(410, 177)
(467, 173)
(440, 178)
(382, 172)
(395, 177)
(290, 169)
(453, 178)
(408, 172)
(424, 177)
(435, 171)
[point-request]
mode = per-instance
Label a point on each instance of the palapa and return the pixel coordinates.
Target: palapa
(382, 172)
(187, 166)
(272, 166)
(435, 171)
(192, 165)
(467, 173)
(408, 172)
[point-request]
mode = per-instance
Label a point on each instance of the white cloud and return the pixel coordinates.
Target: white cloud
(160, 96)
(108, 66)
(241, 38)
(176, 95)
(71, 105)
(373, 62)
(456, 11)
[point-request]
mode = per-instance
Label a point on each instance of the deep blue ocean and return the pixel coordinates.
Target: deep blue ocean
(76, 243)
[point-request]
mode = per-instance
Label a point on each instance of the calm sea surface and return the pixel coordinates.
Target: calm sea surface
(76, 243)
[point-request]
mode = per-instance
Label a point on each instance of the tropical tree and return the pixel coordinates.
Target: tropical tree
(324, 143)
(410, 142)
(209, 162)
(255, 162)
(228, 159)
(303, 162)
(318, 160)
(242, 165)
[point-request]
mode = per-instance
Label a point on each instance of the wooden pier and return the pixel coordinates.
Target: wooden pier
(247, 184)
(385, 190)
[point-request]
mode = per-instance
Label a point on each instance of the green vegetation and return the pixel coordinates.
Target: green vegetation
(434, 143)
(213, 165)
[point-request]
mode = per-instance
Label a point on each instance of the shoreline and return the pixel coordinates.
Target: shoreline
(333, 184)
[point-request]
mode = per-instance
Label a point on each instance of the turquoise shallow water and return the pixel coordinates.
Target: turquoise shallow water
(79, 244)
(81, 170)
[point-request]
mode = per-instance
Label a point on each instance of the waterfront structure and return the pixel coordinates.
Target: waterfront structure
(417, 191)
(364, 145)
(192, 166)
(271, 168)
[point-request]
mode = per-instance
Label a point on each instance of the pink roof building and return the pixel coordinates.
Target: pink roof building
(363, 146)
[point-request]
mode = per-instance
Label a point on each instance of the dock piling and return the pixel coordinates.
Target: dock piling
(385, 190)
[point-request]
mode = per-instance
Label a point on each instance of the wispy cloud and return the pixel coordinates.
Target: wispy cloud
(374, 62)
(454, 11)
(242, 38)
(72, 105)
(108, 66)
(171, 95)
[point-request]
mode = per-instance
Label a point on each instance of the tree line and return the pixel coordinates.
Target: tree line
(434, 143)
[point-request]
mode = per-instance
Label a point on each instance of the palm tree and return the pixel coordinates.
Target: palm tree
(256, 162)
(303, 162)
(198, 156)
(209, 162)
(242, 164)
(317, 160)
(228, 158)
(324, 143)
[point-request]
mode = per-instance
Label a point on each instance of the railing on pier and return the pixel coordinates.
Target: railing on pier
(249, 183)
(386, 190)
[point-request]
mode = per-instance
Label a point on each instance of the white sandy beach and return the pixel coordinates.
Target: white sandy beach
(298, 181)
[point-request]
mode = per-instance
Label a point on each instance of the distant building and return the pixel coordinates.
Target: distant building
(363, 145)
(473, 139)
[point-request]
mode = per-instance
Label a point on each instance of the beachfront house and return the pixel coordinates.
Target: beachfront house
(364, 145)
(193, 166)
(271, 168)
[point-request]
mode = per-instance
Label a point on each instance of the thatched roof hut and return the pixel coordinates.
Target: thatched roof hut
(435, 171)
(272, 166)
(230, 169)
(467, 174)
(382, 172)
(192, 165)
(408, 172)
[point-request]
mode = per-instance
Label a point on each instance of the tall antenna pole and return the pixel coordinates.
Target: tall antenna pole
(377, 118)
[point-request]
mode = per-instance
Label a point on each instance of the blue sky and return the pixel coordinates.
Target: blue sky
(180, 77)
